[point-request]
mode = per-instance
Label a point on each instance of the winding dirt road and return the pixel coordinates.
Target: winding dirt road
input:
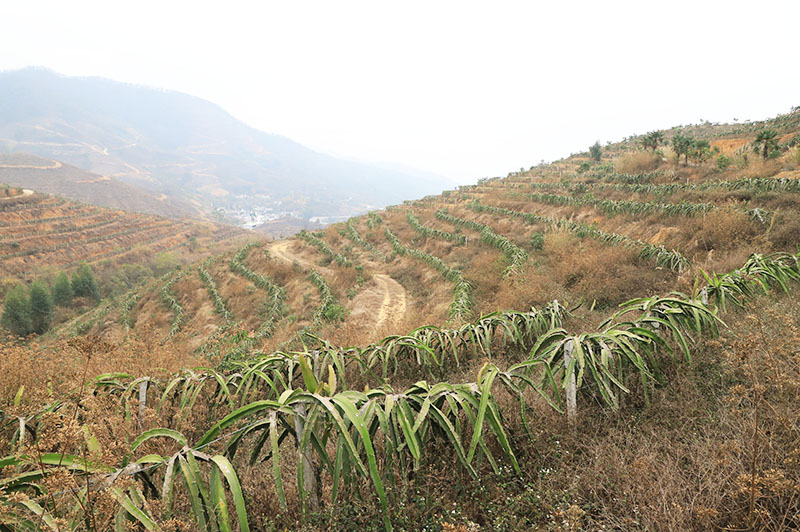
(380, 305)
(55, 165)
(280, 250)
(393, 305)
(25, 192)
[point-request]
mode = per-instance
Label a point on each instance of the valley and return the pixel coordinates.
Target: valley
(196, 158)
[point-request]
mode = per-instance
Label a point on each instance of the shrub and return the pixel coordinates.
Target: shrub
(334, 313)
(163, 263)
(17, 312)
(84, 283)
(119, 280)
(723, 161)
(637, 162)
(62, 291)
(537, 240)
(596, 151)
(41, 305)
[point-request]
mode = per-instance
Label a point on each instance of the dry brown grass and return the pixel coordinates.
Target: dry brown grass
(723, 230)
(698, 454)
(785, 232)
(61, 366)
(637, 162)
(793, 157)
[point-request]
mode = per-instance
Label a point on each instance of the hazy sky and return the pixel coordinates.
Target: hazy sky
(460, 88)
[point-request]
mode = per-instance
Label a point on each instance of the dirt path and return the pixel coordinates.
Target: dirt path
(381, 305)
(282, 251)
(393, 307)
(55, 165)
(25, 192)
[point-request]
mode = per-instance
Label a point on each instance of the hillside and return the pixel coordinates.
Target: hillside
(40, 233)
(593, 238)
(187, 148)
(600, 343)
(54, 177)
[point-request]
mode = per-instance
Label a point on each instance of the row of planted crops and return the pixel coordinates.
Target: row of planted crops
(329, 414)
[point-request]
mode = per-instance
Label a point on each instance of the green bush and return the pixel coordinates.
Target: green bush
(537, 240)
(62, 291)
(334, 313)
(17, 312)
(84, 283)
(596, 151)
(41, 305)
(121, 279)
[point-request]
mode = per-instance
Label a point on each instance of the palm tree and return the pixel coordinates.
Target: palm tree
(652, 140)
(766, 141)
(682, 146)
(700, 150)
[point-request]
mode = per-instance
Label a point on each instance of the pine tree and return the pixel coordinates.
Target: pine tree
(84, 284)
(62, 291)
(41, 304)
(17, 312)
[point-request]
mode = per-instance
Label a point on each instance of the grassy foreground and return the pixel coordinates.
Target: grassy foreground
(674, 421)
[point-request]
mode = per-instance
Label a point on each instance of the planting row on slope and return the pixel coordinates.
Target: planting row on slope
(219, 303)
(431, 232)
(150, 244)
(302, 400)
(102, 237)
(31, 202)
(517, 257)
(172, 304)
(329, 309)
(22, 223)
(638, 208)
(276, 295)
(662, 256)
(33, 233)
(755, 184)
(323, 246)
(69, 256)
(461, 305)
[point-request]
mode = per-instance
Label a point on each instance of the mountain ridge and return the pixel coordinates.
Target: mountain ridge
(187, 148)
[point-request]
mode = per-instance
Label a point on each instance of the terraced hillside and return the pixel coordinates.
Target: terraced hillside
(586, 345)
(39, 232)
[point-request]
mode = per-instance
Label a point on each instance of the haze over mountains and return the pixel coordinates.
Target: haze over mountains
(190, 150)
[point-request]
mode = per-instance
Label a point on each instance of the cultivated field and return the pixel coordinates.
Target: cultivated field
(585, 345)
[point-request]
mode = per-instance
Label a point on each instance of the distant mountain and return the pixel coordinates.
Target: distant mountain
(189, 149)
(54, 177)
